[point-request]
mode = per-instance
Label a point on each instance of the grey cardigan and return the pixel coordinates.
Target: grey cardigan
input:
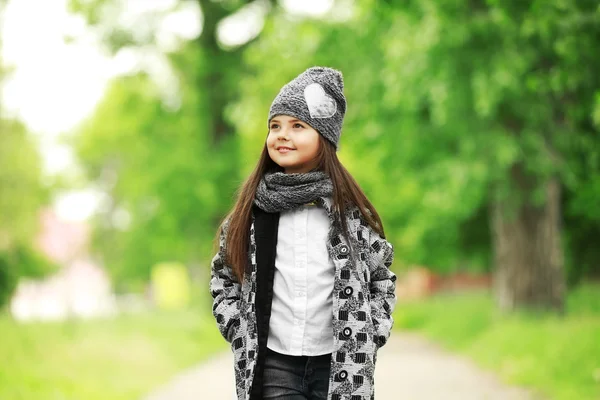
(363, 301)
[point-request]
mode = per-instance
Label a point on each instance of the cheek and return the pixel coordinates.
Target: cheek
(312, 145)
(270, 140)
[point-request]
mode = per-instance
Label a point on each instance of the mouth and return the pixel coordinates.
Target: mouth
(283, 149)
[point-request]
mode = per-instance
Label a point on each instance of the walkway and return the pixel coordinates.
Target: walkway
(408, 368)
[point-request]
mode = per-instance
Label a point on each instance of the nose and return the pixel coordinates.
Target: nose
(282, 134)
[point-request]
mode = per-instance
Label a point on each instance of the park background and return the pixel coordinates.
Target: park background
(127, 126)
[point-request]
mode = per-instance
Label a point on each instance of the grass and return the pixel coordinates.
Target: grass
(558, 357)
(121, 358)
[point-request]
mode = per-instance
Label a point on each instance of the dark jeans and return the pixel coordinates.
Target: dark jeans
(296, 377)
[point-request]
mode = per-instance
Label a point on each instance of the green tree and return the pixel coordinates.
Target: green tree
(473, 127)
(167, 170)
(458, 110)
(517, 73)
(154, 164)
(21, 197)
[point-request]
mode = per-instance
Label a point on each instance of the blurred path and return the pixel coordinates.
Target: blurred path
(408, 368)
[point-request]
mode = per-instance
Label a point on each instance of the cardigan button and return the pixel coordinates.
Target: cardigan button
(348, 291)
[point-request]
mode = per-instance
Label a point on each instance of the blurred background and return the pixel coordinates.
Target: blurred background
(126, 127)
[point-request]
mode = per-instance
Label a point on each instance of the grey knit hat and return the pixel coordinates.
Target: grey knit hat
(316, 97)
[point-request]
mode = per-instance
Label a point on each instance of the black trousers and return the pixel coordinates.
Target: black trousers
(296, 377)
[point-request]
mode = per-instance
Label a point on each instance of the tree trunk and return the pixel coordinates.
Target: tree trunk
(222, 68)
(213, 82)
(527, 247)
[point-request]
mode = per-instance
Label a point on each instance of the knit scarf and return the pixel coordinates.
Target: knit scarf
(278, 191)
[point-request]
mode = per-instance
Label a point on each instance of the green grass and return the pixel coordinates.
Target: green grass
(558, 357)
(121, 358)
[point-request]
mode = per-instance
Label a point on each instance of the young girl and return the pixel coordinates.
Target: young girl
(301, 283)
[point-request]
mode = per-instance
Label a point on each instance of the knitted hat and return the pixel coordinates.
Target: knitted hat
(316, 97)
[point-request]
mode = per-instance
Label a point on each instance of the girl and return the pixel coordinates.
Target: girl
(301, 283)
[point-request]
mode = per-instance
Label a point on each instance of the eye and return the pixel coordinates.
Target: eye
(297, 125)
(274, 126)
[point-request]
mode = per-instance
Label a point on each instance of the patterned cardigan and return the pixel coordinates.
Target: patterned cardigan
(363, 301)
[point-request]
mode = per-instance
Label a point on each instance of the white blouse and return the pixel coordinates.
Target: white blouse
(301, 313)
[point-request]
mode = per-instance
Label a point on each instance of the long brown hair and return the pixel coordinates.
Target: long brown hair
(346, 193)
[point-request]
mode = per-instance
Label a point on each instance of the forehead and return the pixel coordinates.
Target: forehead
(285, 118)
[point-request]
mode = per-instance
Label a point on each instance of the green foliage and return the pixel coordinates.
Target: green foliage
(444, 98)
(122, 358)
(8, 281)
(21, 262)
(424, 182)
(168, 166)
(21, 190)
(516, 346)
(21, 198)
(439, 111)
(153, 162)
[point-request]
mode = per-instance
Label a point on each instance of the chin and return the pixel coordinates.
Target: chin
(283, 163)
(286, 165)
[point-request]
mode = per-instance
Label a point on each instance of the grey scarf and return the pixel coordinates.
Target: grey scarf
(278, 191)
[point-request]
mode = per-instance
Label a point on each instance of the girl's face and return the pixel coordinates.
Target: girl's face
(292, 144)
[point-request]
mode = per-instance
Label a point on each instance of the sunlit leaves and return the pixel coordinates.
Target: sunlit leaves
(153, 163)
(444, 98)
(21, 190)
(22, 196)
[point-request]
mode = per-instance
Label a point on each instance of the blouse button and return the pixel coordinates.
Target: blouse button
(348, 291)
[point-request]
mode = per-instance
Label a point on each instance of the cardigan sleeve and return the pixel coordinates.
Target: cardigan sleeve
(382, 287)
(225, 291)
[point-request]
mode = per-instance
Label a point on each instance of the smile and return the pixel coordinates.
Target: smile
(284, 149)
